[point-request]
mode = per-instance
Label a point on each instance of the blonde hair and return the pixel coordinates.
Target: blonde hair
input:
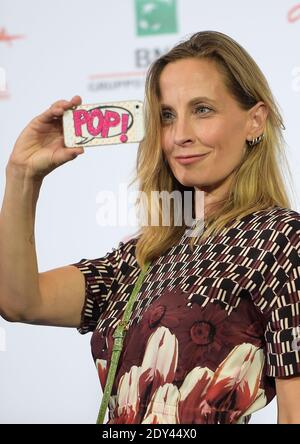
(257, 183)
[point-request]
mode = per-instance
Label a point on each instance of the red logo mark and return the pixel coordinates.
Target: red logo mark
(8, 38)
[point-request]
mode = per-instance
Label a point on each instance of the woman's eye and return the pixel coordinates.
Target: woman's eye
(166, 115)
(199, 109)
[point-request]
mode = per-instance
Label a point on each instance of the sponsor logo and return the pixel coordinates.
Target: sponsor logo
(155, 17)
(113, 81)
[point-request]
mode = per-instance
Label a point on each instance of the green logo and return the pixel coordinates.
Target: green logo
(155, 17)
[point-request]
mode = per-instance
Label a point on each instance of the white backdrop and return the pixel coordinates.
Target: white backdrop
(53, 50)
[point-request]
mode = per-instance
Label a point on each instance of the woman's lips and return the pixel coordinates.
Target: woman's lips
(187, 160)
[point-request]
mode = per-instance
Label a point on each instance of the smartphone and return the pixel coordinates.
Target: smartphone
(104, 124)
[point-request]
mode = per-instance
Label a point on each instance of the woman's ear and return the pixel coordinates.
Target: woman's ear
(257, 117)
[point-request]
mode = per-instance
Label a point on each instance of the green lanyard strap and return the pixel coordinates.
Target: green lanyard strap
(118, 336)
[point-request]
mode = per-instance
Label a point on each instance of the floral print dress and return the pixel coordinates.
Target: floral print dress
(210, 329)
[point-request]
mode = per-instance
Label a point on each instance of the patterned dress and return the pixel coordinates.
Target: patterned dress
(210, 329)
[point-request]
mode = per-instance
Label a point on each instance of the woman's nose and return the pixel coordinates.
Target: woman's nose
(183, 132)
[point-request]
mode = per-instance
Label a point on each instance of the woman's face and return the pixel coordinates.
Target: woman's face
(199, 116)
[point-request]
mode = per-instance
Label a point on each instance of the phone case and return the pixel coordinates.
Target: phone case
(104, 124)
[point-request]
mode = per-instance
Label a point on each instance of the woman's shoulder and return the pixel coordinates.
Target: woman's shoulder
(272, 218)
(286, 216)
(273, 223)
(282, 223)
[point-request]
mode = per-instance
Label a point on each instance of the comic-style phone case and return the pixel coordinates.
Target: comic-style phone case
(104, 124)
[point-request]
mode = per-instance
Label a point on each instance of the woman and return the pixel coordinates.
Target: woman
(213, 333)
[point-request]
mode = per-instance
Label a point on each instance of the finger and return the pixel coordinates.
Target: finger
(76, 100)
(61, 106)
(74, 152)
(65, 104)
(50, 114)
